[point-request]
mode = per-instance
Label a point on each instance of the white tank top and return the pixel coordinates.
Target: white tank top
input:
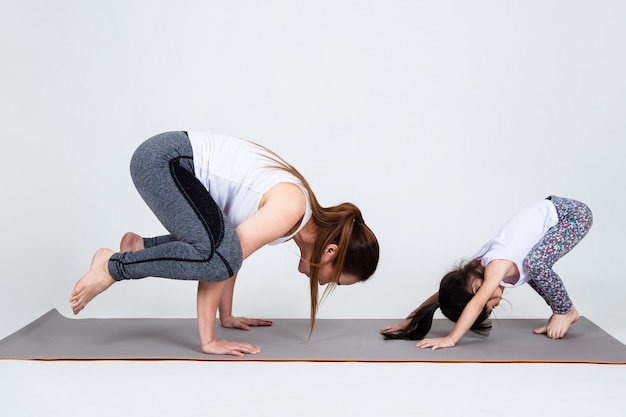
(237, 173)
(518, 236)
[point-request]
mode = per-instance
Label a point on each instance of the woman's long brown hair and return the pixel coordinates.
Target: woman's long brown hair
(343, 225)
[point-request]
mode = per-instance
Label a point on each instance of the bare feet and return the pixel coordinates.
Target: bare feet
(558, 325)
(131, 242)
(95, 281)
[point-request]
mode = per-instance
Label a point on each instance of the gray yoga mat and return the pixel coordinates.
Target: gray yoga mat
(55, 337)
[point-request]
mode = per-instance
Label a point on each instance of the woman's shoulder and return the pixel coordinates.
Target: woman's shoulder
(287, 194)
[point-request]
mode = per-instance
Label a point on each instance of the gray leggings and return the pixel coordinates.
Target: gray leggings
(202, 245)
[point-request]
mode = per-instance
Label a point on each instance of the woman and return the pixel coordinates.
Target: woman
(221, 199)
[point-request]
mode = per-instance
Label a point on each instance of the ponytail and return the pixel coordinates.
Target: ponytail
(343, 225)
(419, 326)
(453, 296)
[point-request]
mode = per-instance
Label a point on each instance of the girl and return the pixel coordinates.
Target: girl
(524, 250)
(221, 199)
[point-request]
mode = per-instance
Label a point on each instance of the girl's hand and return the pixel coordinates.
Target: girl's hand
(434, 344)
(395, 327)
(229, 347)
(243, 323)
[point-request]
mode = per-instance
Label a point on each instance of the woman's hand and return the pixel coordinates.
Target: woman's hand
(229, 347)
(243, 323)
(437, 343)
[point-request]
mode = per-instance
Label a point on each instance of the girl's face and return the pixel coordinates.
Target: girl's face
(494, 301)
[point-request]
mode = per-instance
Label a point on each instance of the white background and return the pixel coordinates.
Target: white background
(438, 118)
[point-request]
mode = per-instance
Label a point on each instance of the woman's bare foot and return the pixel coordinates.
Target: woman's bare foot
(95, 281)
(131, 242)
(558, 325)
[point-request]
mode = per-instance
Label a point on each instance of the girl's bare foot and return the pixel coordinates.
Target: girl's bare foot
(131, 242)
(558, 325)
(95, 281)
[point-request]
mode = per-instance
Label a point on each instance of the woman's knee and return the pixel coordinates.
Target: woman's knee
(161, 149)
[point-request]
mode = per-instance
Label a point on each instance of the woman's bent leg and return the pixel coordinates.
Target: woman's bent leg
(202, 245)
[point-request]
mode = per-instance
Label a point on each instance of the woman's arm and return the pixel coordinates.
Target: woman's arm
(495, 271)
(226, 310)
(209, 294)
(280, 211)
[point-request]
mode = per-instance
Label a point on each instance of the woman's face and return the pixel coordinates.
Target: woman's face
(325, 272)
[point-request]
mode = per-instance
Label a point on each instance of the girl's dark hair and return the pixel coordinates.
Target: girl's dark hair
(454, 294)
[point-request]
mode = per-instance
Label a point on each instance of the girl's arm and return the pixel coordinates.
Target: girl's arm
(495, 271)
(404, 323)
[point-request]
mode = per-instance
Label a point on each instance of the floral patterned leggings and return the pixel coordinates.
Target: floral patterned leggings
(575, 220)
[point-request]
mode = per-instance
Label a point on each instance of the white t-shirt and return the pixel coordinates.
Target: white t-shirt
(518, 236)
(237, 175)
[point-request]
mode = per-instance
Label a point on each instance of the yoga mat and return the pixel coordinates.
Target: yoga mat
(55, 337)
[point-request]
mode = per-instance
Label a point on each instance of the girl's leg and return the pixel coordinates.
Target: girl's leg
(575, 220)
(202, 245)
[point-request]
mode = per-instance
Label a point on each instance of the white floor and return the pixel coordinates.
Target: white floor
(118, 388)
